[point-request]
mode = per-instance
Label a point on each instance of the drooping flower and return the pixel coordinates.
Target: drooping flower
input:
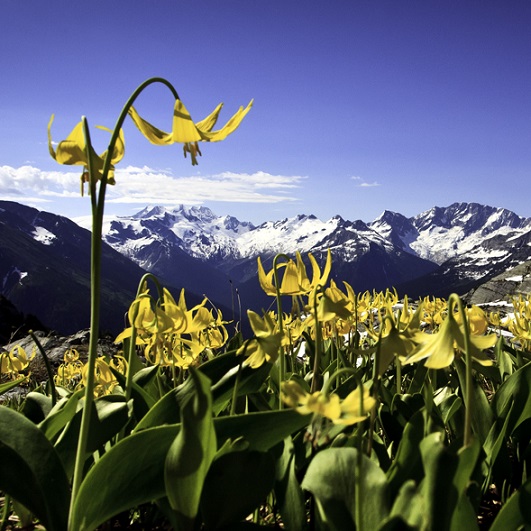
(73, 151)
(188, 133)
(16, 361)
(354, 408)
(265, 344)
(295, 280)
(439, 348)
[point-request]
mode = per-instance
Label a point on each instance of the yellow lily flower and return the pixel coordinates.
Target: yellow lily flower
(440, 347)
(339, 411)
(73, 151)
(14, 362)
(186, 132)
(295, 280)
(264, 347)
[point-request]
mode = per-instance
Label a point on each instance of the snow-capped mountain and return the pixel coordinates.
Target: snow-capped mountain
(232, 246)
(443, 233)
(44, 258)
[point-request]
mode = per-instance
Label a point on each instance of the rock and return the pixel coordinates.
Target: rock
(512, 283)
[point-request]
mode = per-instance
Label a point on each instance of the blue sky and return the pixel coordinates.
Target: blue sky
(359, 106)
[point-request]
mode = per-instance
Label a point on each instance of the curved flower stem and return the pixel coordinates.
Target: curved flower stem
(97, 205)
(49, 370)
(469, 383)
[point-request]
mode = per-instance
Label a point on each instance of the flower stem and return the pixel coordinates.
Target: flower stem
(97, 205)
(469, 382)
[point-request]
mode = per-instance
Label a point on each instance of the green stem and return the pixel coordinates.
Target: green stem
(469, 382)
(49, 370)
(235, 390)
(318, 340)
(281, 358)
(97, 204)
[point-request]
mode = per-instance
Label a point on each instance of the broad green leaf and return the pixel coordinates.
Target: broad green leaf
(61, 414)
(333, 478)
(165, 411)
(5, 387)
(31, 471)
(140, 459)
(517, 388)
(447, 475)
(36, 406)
(142, 400)
(263, 429)
(409, 506)
(408, 463)
(191, 453)
(235, 485)
(109, 416)
(482, 417)
(288, 491)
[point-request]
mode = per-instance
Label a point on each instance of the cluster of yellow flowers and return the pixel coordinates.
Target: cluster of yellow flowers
(14, 364)
(72, 373)
(170, 333)
(518, 323)
(430, 330)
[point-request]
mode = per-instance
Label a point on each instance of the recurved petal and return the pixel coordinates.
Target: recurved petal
(70, 151)
(229, 127)
(152, 133)
(210, 121)
(265, 280)
(119, 147)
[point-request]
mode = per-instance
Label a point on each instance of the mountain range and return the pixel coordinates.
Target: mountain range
(44, 258)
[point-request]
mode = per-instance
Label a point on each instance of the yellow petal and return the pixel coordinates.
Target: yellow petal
(154, 135)
(265, 280)
(210, 121)
(70, 151)
(119, 147)
(230, 126)
(184, 130)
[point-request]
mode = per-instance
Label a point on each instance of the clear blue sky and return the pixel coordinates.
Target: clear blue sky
(360, 106)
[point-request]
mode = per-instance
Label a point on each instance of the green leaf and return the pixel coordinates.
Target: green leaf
(263, 429)
(516, 388)
(235, 485)
(516, 512)
(332, 478)
(61, 414)
(288, 491)
(36, 406)
(447, 475)
(409, 507)
(165, 411)
(408, 463)
(5, 387)
(482, 417)
(31, 471)
(109, 416)
(191, 453)
(140, 459)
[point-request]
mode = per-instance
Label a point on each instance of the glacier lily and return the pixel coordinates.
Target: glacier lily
(345, 412)
(188, 133)
(295, 280)
(75, 150)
